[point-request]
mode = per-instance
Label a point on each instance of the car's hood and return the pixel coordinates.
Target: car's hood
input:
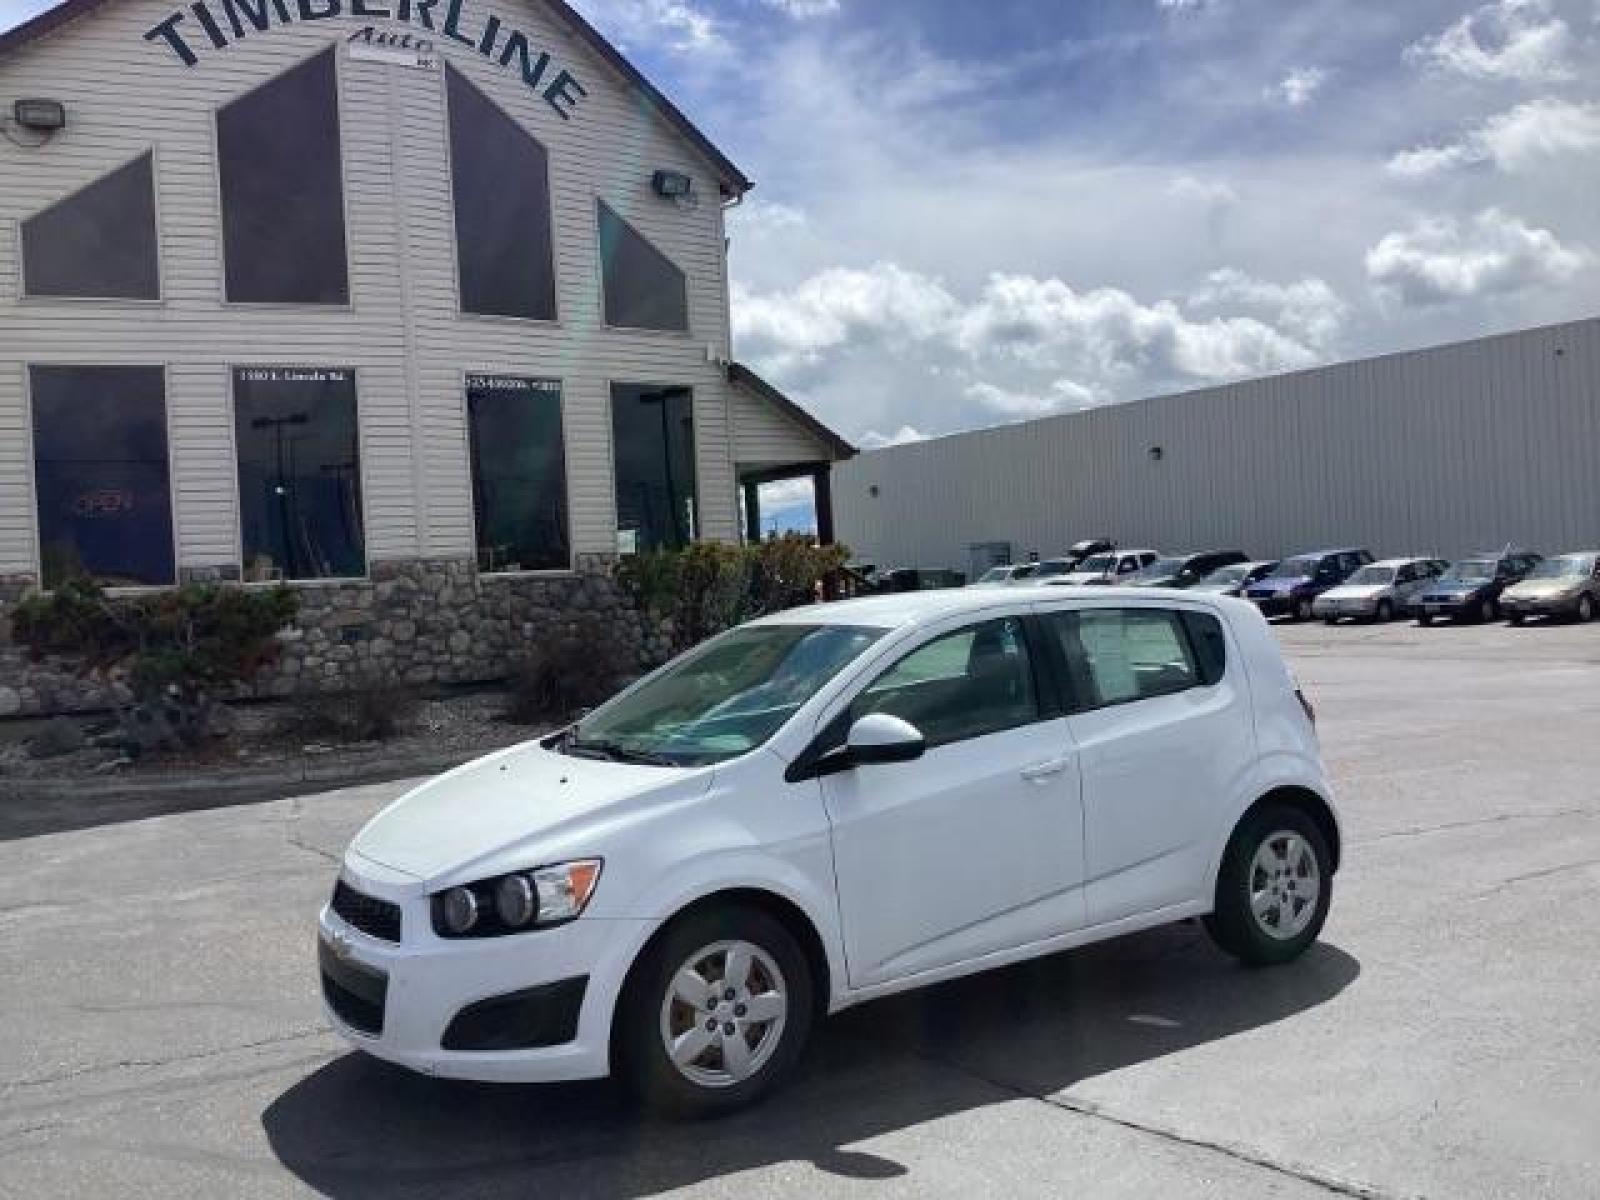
(1356, 591)
(1538, 589)
(1284, 584)
(1456, 587)
(524, 796)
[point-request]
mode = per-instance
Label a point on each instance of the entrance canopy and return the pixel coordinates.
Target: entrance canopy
(775, 440)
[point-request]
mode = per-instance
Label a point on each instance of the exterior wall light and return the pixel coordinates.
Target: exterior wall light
(40, 116)
(1157, 453)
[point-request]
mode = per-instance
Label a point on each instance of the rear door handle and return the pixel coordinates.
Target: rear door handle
(1047, 770)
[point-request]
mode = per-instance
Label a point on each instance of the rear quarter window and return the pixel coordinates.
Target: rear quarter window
(1210, 646)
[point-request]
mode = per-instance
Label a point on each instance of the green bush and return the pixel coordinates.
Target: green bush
(186, 641)
(374, 708)
(575, 665)
(708, 587)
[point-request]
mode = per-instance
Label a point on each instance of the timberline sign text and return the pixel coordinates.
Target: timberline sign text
(220, 23)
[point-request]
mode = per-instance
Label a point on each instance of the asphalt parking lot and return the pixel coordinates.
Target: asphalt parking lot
(159, 1031)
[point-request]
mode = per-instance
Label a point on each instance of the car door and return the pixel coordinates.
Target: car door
(1160, 715)
(977, 846)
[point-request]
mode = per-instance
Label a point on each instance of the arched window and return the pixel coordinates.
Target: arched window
(98, 243)
(283, 191)
(643, 287)
(501, 184)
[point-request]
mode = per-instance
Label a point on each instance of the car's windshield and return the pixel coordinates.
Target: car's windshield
(1097, 564)
(1296, 568)
(1233, 574)
(1161, 568)
(1050, 568)
(1576, 566)
(1025, 571)
(723, 699)
(1472, 570)
(1372, 575)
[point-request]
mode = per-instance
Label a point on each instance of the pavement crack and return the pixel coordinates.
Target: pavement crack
(1476, 822)
(292, 835)
(1332, 1184)
(134, 1064)
(1582, 864)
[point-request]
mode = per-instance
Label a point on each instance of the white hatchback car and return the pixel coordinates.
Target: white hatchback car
(828, 806)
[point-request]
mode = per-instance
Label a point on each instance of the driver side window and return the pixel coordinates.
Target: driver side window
(967, 684)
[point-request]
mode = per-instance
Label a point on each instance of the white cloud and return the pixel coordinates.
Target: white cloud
(1520, 40)
(762, 216)
(1441, 259)
(1298, 87)
(1308, 308)
(904, 436)
(1514, 141)
(1202, 191)
(1060, 395)
(683, 26)
(804, 9)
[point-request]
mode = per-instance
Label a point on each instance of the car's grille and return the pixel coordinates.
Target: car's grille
(356, 994)
(377, 918)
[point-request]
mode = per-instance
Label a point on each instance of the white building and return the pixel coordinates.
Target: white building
(329, 291)
(1438, 451)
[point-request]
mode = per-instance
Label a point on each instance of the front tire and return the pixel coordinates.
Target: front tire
(1274, 888)
(716, 1014)
(1585, 609)
(1385, 612)
(1424, 620)
(1302, 610)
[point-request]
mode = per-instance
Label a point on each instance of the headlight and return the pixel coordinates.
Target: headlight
(518, 902)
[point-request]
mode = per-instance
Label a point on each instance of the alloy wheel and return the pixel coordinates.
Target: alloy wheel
(723, 1016)
(1285, 885)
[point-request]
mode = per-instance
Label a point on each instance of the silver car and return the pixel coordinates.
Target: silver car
(1379, 591)
(1567, 586)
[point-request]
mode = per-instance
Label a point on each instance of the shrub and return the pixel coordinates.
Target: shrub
(709, 586)
(374, 708)
(573, 666)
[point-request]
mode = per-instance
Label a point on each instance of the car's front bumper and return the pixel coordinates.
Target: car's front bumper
(1540, 606)
(1277, 604)
(1334, 609)
(398, 1000)
(1453, 608)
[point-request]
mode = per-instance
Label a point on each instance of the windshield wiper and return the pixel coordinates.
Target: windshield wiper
(614, 752)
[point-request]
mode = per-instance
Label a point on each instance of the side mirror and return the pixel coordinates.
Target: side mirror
(878, 739)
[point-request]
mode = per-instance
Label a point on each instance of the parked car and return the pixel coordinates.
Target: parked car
(1231, 581)
(1566, 586)
(999, 576)
(920, 579)
(1099, 570)
(1379, 591)
(1184, 570)
(1082, 550)
(1052, 568)
(1470, 590)
(1291, 588)
(824, 807)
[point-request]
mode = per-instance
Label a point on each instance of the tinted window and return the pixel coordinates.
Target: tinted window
(99, 242)
(299, 473)
(1113, 656)
(501, 183)
(652, 437)
(519, 473)
(1210, 646)
(101, 475)
(962, 685)
(282, 196)
(643, 288)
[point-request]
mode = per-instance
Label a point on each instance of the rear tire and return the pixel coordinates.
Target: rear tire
(1274, 888)
(1302, 610)
(1516, 619)
(1385, 612)
(1424, 620)
(1585, 609)
(770, 977)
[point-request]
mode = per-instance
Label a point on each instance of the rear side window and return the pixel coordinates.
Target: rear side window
(1121, 655)
(1210, 646)
(966, 684)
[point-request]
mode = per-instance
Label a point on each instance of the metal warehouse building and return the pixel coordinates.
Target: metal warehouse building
(1443, 450)
(421, 305)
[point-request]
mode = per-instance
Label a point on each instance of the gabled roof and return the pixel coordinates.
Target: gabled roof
(742, 376)
(734, 182)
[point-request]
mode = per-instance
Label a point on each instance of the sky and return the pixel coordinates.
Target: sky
(978, 211)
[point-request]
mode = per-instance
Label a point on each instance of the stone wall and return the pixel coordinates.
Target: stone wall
(424, 622)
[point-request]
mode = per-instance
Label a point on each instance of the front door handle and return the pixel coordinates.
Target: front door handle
(1047, 770)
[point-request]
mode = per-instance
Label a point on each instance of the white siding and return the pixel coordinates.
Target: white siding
(1443, 450)
(763, 436)
(402, 331)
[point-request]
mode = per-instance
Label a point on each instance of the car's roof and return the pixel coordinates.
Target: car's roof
(915, 608)
(1401, 562)
(1325, 553)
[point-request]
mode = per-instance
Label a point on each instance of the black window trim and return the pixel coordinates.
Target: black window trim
(349, 302)
(551, 322)
(1058, 665)
(24, 296)
(812, 762)
(600, 279)
(143, 589)
(611, 384)
(571, 568)
(231, 370)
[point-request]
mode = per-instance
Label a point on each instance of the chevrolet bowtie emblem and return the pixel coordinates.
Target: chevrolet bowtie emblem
(341, 946)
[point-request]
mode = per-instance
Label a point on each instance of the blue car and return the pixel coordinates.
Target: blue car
(1470, 590)
(1292, 587)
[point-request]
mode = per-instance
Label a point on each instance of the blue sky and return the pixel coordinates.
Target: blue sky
(973, 211)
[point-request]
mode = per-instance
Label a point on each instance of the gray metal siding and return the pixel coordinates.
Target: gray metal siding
(402, 331)
(1443, 450)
